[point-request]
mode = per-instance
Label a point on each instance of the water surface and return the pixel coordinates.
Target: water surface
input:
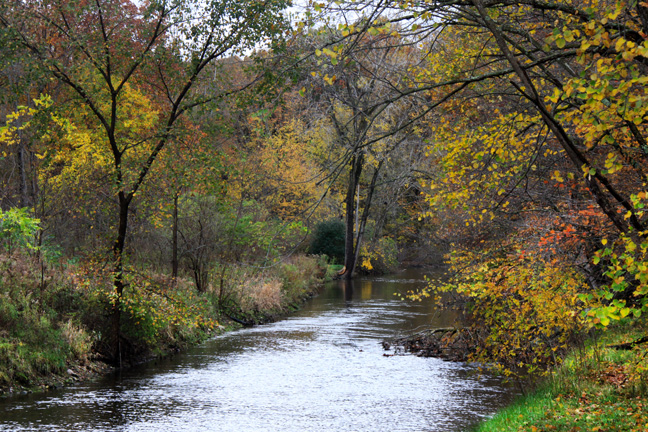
(321, 369)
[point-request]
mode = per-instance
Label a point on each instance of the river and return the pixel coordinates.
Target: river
(321, 369)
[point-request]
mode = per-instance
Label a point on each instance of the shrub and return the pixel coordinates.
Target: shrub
(328, 239)
(259, 297)
(521, 314)
(17, 228)
(78, 339)
(260, 294)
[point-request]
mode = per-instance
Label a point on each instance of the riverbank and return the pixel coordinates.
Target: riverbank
(446, 343)
(601, 386)
(51, 334)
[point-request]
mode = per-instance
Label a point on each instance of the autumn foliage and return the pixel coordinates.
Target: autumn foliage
(169, 148)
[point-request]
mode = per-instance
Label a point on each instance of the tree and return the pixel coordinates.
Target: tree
(565, 82)
(536, 129)
(356, 93)
(20, 84)
(99, 50)
(328, 239)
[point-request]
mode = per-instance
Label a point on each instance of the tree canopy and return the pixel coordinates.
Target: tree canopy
(195, 137)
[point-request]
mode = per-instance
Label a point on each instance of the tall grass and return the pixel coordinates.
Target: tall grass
(259, 296)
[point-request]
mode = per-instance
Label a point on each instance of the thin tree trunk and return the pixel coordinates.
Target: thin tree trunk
(365, 210)
(22, 172)
(357, 210)
(118, 277)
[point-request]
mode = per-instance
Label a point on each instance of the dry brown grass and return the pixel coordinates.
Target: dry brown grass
(78, 339)
(260, 294)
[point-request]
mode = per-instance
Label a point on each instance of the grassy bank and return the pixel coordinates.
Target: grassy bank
(55, 319)
(597, 388)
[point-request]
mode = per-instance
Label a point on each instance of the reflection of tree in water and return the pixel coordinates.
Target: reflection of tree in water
(347, 286)
(366, 288)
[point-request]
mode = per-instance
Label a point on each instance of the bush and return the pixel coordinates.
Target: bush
(17, 229)
(259, 297)
(379, 258)
(31, 344)
(328, 239)
(156, 314)
(522, 313)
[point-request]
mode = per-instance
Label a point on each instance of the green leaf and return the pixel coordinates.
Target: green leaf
(569, 36)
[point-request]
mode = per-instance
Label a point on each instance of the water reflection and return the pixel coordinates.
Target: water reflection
(321, 369)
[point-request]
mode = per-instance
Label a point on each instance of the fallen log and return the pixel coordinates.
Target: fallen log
(629, 345)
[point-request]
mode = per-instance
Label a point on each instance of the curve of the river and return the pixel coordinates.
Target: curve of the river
(321, 369)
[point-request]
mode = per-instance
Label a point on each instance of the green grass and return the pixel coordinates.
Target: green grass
(31, 347)
(596, 389)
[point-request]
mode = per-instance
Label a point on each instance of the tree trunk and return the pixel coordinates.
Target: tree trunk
(365, 210)
(118, 277)
(357, 162)
(174, 241)
(22, 172)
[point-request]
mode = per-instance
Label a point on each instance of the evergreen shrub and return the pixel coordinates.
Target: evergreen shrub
(328, 239)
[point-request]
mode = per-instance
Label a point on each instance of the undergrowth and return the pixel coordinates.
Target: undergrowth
(40, 331)
(257, 297)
